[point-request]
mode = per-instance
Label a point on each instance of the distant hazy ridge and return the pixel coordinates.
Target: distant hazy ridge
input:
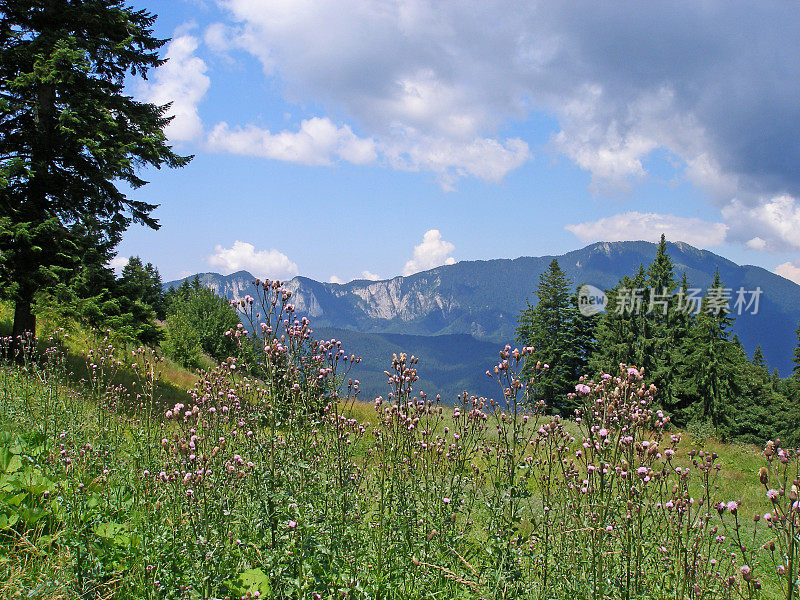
(484, 298)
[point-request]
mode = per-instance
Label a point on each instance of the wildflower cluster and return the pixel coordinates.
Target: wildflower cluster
(269, 479)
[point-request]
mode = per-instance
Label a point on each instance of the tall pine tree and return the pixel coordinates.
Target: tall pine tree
(796, 356)
(678, 400)
(69, 135)
(621, 330)
(659, 358)
(560, 336)
(712, 363)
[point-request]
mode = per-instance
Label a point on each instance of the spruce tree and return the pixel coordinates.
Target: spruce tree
(679, 401)
(555, 329)
(754, 406)
(796, 356)
(140, 282)
(711, 365)
(620, 333)
(69, 135)
(660, 320)
(758, 359)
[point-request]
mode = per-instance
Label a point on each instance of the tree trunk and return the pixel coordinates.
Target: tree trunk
(36, 204)
(24, 321)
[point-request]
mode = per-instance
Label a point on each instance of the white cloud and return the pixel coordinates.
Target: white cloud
(770, 224)
(118, 263)
(705, 172)
(485, 158)
(790, 271)
(318, 142)
(182, 81)
(757, 243)
(368, 275)
(632, 226)
(364, 58)
(412, 72)
(610, 147)
(261, 263)
(432, 252)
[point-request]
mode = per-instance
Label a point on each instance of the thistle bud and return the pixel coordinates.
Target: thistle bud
(763, 475)
(747, 572)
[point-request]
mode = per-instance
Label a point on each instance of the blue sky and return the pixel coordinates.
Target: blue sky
(356, 139)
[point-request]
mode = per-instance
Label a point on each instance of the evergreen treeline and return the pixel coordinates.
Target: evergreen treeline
(130, 305)
(189, 322)
(680, 339)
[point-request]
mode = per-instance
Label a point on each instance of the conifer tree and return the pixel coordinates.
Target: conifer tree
(660, 320)
(684, 317)
(69, 135)
(753, 405)
(140, 282)
(621, 330)
(711, 365)
(758, 359)
(552, 328)
(796, 356)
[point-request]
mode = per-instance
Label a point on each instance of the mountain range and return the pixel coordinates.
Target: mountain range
(456, 317)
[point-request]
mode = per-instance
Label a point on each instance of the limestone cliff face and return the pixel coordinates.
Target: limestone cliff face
(304, 300)
(398, 299)
(233, 286)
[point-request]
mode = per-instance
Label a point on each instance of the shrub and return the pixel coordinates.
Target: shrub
(197, 320)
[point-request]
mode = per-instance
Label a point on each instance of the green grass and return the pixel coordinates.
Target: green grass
(99, 540)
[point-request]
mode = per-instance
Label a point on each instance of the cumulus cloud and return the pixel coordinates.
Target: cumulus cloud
(770, 224)
(484, 158)
(261, 263)
(632, 226)
(368, 275)
(790, 271)
(182, 80)
(432, 252)
(318, 142)
(118, 263)
(433, 83)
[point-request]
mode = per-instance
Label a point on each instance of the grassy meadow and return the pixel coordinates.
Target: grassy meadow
(124, 476)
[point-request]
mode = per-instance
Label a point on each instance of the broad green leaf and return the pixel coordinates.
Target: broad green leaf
(7, 521)
(110, 530)
(9, 462)
(254, 580)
